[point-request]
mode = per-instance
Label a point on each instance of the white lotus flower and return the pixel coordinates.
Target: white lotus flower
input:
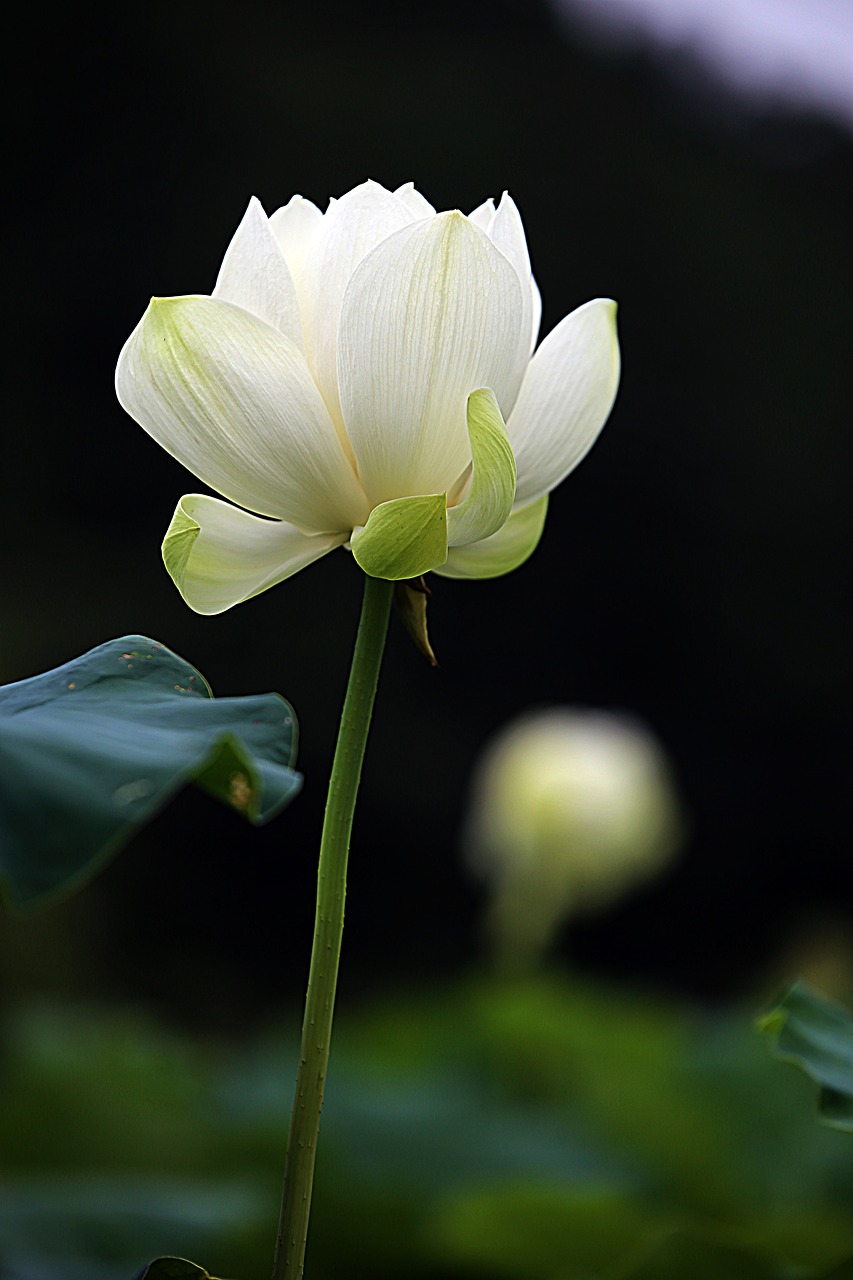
(364, 377)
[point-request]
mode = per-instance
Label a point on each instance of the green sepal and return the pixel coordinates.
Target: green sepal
(403, 538)
(816, 1034)
(178, 544)
(410, 601)
(488, 503)
(504, 550)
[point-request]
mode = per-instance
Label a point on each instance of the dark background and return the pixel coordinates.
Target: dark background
(692, 570)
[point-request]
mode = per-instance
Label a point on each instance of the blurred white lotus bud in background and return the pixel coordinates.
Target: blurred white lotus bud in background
(568, 809)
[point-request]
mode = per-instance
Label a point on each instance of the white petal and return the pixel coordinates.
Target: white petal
(417, 205)
(482, 216)
(255, 275)
(503, 226)
(565, 398)
(351, 227)
(218, 555)
(294, 226)
(232, 399)
(431, 315)
(504, 551)
(537, 313)
(507, 232)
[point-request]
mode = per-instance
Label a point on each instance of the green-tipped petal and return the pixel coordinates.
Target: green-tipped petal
(403, 538)
(231, 398)
(504, 550)
(181, 536)
(217, 555)
(488, 503)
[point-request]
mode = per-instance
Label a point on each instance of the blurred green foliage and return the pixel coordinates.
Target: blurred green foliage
(527, 1130)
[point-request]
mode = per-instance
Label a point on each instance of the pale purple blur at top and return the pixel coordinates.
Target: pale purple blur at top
(767, 54)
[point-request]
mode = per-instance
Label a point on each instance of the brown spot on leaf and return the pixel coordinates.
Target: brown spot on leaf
(239, 791)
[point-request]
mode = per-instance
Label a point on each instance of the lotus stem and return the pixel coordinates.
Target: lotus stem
(328, 930)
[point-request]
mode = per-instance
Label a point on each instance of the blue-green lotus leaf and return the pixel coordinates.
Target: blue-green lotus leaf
(92, 750)
(816, 1034)
(173, 1269)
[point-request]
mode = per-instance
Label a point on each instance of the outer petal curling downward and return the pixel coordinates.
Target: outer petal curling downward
(504, 550)
(403, 538)
(218, 556)
(488, 503)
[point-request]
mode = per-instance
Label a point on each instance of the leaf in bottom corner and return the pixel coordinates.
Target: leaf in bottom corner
(816, 1034)
(173, 1269)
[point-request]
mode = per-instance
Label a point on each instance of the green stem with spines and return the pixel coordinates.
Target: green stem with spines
(289, 1261)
